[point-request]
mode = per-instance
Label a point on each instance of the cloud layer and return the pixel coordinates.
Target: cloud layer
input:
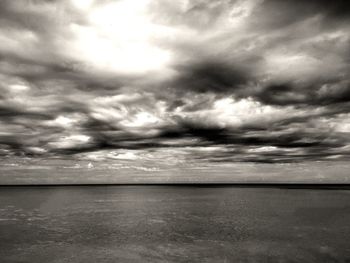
(175, 81)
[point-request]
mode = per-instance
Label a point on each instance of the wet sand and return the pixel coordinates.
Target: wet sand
(173, 224)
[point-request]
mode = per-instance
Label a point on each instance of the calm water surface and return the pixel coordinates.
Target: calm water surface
(173, 224)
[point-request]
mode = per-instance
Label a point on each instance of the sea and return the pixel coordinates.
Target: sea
(173, 223)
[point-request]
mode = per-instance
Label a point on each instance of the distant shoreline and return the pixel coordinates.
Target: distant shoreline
(318, 186)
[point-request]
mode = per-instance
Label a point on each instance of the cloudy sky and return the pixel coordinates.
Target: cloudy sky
(161, 85)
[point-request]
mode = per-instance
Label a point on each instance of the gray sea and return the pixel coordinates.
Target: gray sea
(173, 224)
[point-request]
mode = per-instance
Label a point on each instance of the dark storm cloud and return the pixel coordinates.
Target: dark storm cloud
(223, 81)
(337, 10)
(287, 53)
(276, 14)
(314, 94)
(211, 76)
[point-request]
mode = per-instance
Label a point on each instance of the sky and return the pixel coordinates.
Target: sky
(171, 86)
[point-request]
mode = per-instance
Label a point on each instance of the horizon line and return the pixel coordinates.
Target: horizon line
(340, 186)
